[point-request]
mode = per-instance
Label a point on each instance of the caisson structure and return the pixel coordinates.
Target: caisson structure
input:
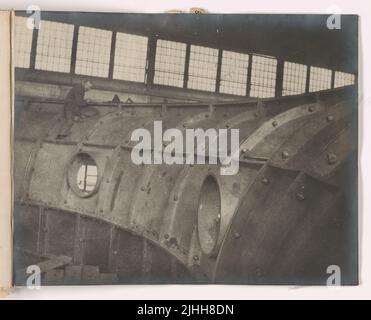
(86, 214)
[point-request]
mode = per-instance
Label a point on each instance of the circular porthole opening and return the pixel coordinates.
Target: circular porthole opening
(209, 215)
(83, 175)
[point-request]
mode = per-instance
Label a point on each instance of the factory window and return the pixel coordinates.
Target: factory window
(23, 43)
(93, 52)
(203, 65)
(233, 76)
(130, 57)
(320, 79)
(83, 175)
(170, 61)
(343, 79)
(54, 46)
(294, 78)
(263, 77)
(87, 177)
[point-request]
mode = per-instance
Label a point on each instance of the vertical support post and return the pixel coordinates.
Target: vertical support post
(219, 71)
(113, 249)
(146, 261)
(186, 65)
(279, 78)
(151, 57)
(74, 48)
(112, 55)
(249, 69)
(79, 241)
(307, 84)
(35, 36)
(332, 79)
(42, 232)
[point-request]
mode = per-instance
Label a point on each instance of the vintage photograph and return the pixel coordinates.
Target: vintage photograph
(185, 149)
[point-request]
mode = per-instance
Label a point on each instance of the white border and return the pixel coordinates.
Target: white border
(360, 7)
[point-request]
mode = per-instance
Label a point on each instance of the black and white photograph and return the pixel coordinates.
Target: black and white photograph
(185, 149)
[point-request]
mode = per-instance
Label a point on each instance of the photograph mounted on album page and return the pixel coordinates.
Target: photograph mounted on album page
(184, 149)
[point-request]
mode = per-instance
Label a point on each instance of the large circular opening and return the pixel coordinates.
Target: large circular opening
(209, 215)
(83, 175)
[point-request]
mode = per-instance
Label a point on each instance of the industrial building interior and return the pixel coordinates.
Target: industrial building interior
(87, 215)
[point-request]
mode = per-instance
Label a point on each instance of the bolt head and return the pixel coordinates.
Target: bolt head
(330, 118)
(236, 235)
(300, 195)
(285, 155)
(331, 158)
(195, 258)
(265, 181)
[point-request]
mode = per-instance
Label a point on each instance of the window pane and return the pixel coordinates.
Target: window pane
(320, 79)
(170, 61)
(54, 46)
(130, 57)
(93, 52)
(294, 78)
(233, 76)
(263, 77)
(22, 42)
(343, 79)
(203, 65)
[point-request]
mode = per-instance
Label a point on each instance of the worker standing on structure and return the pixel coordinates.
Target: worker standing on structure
(72, 106)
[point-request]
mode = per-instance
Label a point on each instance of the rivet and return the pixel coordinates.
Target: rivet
(244, 150)
(265, 180)
(311, 109)
(166, 236)
(195, 258)
(330, 118)
(285, 155)
(175, 198)
(300, 195)
(218, 218)
(274, 123)
(115, 253)
(107, 180)
(227, 126)
(142, 188)
(81, 239)
(206, 115)
(236, 235)
(331, 158)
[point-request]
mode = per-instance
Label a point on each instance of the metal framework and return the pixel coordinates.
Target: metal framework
(150, 68)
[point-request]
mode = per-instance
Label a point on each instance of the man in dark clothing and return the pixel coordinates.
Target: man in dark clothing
(72, 106)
